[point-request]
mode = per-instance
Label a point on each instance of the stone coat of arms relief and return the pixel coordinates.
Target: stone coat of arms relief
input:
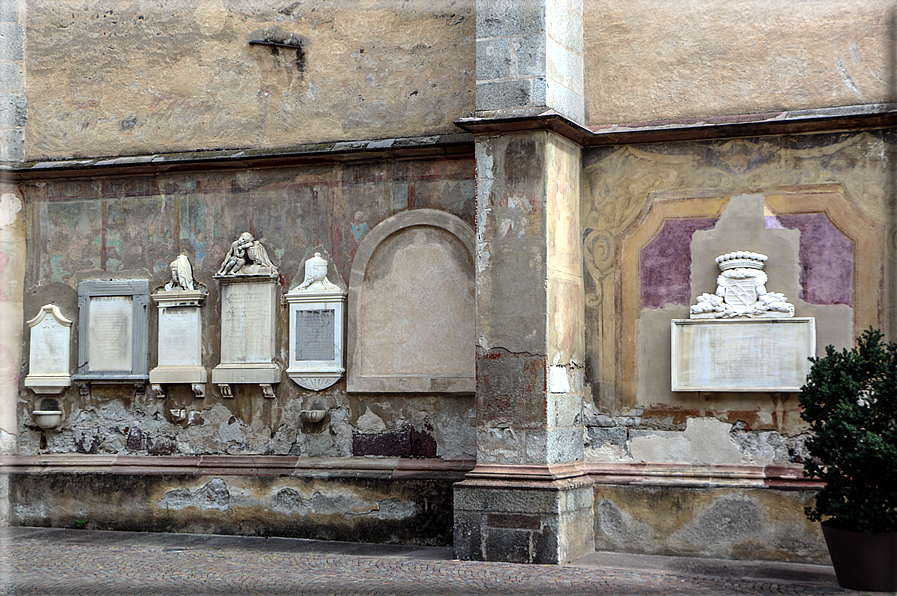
(741, 291)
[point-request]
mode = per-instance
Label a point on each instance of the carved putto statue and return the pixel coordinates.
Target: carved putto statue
(181, 275)
(316, 275)
(246, 256)
(741, 291)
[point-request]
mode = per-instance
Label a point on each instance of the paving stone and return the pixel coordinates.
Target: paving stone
(56, 561)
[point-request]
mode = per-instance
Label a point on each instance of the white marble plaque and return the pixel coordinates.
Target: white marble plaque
(317, 315)
(742, 355)
(314, 334)
(110, 333)
(180, 336)
(50, 335)
(247, 322)
(50, 351)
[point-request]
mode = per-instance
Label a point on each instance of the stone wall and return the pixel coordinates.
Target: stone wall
(652, 61)
(116, 78)
(323, 498)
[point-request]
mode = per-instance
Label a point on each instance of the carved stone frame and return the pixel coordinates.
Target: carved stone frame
(138, 291)
(355, 379)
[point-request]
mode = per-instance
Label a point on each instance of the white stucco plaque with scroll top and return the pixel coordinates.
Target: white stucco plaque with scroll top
(49, 352)
(180, 332)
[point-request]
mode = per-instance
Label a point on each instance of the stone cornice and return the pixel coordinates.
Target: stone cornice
(237, 465)
(555, 477)
(835, 119)
(315, 153)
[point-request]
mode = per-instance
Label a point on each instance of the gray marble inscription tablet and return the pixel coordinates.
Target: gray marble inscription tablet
(314, 334)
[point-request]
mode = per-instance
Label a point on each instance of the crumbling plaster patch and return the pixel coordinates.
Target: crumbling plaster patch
(703, 441)
(302, 500)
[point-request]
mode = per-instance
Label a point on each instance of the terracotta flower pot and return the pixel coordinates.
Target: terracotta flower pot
(863, 561)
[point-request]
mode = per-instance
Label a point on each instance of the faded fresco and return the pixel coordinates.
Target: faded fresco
(650, 219)
(124, 227)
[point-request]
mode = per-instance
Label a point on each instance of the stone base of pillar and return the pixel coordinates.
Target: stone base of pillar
(524, 514)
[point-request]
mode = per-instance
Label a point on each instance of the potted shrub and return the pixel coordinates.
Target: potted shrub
(850, 403)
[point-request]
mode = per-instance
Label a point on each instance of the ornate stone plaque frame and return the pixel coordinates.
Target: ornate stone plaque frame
(422, 380)
(317, 316)
(180, 320)
(129, 300)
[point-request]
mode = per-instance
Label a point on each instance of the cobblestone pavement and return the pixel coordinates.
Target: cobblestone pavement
(83, 562)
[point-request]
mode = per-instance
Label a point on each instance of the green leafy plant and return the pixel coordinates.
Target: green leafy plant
(80, 524)
(850, 403)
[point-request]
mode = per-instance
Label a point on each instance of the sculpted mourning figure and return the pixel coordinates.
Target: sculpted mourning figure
(181, 274)
(246, 252)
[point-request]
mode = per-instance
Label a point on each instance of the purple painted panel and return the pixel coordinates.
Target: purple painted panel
(665, 263)
(826, 259)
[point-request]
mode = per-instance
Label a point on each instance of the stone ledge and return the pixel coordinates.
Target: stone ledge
(236, 465)
(783, 477)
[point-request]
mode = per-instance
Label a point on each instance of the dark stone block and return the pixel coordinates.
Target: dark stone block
(514, 521)
(86, 444)
(135, 441)
(510, 546)
(422, 444)
(546, 547)
(161, 446)
(468, 537)
(511, 389)
(383, 444)
(608, 436)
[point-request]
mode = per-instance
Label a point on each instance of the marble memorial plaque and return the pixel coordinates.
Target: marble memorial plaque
(742, 355)
(317, 313)
(49, 353)
(247, 322)
(314, 334)
(110, 345)
(180, 336)
(113, 330)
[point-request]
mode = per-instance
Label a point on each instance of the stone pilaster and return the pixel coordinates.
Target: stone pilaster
(529, 55)
(13, 103)
(527, 501)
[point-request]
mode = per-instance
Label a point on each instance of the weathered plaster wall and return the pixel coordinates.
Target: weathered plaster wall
(719, 522)
(13, 100)
(529, 300)
(12, 274)
(120, 78)
(134, 225)
(655, 216)
(327, 507)
(656, 60)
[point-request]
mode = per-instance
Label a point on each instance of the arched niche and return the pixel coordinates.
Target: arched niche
(412, 309)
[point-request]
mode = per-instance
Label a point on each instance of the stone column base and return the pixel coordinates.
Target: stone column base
(524, 514)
